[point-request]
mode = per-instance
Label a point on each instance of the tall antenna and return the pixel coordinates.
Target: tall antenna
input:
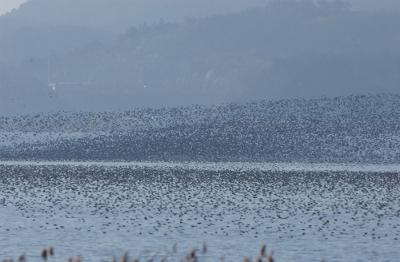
(48, 71)
(50, 84)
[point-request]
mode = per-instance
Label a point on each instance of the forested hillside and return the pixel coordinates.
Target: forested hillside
(287, 49)
(119, 15)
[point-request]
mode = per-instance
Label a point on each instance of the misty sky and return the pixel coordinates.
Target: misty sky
(6, 5)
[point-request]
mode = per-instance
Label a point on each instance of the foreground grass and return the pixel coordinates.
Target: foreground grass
(194, 255)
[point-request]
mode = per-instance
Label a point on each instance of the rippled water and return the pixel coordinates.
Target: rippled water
(101, 210)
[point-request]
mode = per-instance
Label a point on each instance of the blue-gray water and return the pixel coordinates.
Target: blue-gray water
(302, 212)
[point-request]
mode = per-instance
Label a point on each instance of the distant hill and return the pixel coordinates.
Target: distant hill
(119, 15)
(362, 129)
(287, 49)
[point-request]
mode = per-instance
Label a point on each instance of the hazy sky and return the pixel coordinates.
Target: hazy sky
(6, 5)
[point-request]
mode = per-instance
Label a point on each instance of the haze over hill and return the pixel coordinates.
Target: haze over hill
(78, 55)
(119, 15)
(369, 5)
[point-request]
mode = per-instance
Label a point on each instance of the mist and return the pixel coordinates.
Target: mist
(370, 5)
(95, 56)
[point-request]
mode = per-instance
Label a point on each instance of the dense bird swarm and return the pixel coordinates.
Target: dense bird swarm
(343, 129)
(98, 212)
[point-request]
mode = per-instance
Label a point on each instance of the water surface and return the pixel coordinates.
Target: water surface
(99, 210)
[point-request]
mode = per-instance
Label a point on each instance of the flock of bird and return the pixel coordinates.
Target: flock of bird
(92, 206)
